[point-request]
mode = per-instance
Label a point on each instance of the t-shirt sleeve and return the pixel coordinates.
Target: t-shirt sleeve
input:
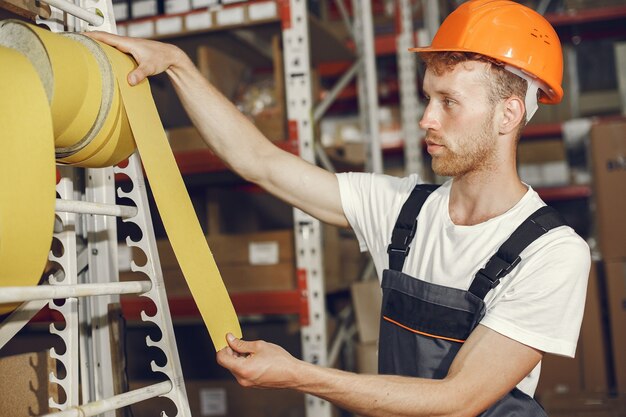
(371, 203)
(544, 303)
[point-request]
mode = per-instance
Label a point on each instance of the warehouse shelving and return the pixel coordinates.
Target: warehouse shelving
(330, 63)
(289, 19)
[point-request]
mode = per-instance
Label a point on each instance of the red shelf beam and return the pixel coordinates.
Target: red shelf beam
(204, 161)
(542, 130)
(265, 302)
(568, 192)
(586, 16)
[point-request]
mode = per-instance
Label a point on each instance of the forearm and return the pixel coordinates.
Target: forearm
(236, 141)
(381, 395)
(228, 133)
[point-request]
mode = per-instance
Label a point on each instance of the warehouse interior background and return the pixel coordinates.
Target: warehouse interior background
(573, 154)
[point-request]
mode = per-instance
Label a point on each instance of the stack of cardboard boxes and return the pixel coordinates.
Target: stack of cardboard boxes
(226, 398)
(608, 152)
(367, 300)
(594, 383)
(260, 261)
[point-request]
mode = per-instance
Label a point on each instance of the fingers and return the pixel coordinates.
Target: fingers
(110, 39)
(240, 346)
(125, 45)
(226, 357)
(137, 75)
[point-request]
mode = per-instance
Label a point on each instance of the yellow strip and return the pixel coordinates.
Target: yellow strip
(27, 206)
(179, 218)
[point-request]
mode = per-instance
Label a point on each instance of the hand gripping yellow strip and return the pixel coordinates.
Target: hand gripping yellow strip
(91, 139)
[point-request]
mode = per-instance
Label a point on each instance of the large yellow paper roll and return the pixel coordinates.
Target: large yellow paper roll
(68, 94)
(27, 173)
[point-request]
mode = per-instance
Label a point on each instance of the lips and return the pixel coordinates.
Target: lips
(432, 146)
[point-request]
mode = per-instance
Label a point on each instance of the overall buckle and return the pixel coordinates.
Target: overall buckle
(497, 268)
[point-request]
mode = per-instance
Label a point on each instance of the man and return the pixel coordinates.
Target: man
(480, 278)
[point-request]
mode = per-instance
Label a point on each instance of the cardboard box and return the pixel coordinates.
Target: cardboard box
(560, 375)
(543, 163)
(226, 399)
(260, 261)
(367, 358)
(237, 278)
(184, 139)
(616, 291)
(608, 152)
(593, 340)
(271, 122)
(367, 300)
(584, 405)
(260, 248)
(344, 262)
(587, 372)
(25, 386)
(221, 69)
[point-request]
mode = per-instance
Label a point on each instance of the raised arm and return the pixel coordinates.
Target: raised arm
(231, 135)
(488, 366)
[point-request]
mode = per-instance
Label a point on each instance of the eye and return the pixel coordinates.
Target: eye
(425, 97)
(448, 102)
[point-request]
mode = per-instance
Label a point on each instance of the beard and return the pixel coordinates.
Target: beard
(474, 152)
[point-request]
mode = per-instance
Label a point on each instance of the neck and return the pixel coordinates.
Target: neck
(478, 196)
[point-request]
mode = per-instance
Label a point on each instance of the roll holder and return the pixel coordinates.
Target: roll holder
(88, 263)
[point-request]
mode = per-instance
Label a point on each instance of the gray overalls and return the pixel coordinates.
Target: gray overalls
(423, 325)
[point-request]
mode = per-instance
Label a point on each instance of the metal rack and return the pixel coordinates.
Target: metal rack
(90, 264)
(86, 231)
(301, 119)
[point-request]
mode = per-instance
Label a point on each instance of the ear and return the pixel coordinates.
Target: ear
(512, 115)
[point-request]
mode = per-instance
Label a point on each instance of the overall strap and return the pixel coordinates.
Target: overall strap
(508, 255)
(404, 230)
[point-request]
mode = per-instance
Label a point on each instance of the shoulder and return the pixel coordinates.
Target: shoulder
(377, 184)
(561, 246)
(562, 241)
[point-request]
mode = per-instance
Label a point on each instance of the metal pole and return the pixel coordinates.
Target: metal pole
(345, 16)
(77, 11)
(86, 207)
(432, 18)
(328, 100)
(116, 402)
(368, 91)
(48, 292)
(308, 230)
(411, 107)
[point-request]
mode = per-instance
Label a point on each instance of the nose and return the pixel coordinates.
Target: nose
(429, 118)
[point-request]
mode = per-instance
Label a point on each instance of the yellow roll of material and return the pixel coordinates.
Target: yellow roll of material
(27, 173)
(76, 90)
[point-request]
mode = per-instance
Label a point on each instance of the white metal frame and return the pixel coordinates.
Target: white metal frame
(411, 107)
(367, 84)
(308, 230)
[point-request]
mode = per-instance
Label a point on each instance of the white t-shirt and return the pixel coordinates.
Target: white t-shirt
(540, 303)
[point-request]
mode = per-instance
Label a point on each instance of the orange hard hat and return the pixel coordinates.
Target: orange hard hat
(507, 32)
